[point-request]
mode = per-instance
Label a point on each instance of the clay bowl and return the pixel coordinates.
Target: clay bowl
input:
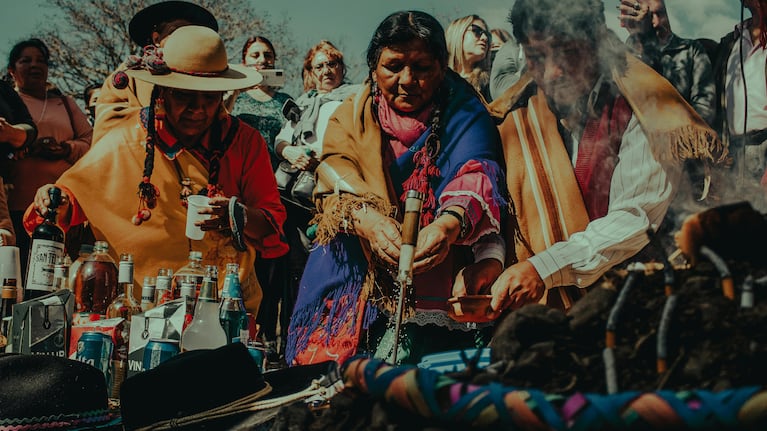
(470, 308)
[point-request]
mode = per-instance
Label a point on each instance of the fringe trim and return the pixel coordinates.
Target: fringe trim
(688, 142)
(339, 218)
(382, 291)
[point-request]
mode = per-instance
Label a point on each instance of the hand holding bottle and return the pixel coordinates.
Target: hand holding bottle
(42, 201)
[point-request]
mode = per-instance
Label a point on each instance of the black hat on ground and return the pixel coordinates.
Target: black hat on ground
(144, 22)
(47, 392)
(213, 390)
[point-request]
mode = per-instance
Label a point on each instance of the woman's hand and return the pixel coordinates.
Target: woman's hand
(42, 201)
(434, 241)
(382, 232)
(476, 278)
(433, 246)
(49, 149)
(219, 211)
(299, 156)
(6, 238)
(16, 135)
(518, 285)
(6, 130)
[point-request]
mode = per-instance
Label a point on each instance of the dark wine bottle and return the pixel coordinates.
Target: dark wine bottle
(47, 248)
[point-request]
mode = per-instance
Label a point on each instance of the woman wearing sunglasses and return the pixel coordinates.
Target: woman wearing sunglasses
(468, 46)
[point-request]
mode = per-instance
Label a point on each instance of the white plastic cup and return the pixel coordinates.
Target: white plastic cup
(194, 204)
(10, 267)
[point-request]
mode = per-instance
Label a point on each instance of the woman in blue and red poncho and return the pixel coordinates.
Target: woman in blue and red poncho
(415, 125)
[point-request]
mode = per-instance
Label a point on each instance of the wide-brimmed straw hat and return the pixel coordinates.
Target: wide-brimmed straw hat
(193, 58)
(146, 20)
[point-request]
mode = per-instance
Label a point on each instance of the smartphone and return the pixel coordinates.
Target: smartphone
(273, 77)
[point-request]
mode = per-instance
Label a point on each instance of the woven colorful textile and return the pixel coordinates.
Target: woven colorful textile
(436, 396)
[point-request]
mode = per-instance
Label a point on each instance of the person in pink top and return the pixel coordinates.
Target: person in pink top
(64, 133)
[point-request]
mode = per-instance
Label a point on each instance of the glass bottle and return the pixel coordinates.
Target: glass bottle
(46, 248)
(96, 281)
(232, 313)
(8, 297)
(61, 274)
(85, 251)
(188, 289)
(189, 293)
(211, 271)
(163, 291)
(124, 305)
(148, 293)
(192, 269)
(205, 331)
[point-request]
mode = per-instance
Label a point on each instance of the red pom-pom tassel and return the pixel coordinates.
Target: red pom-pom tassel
(120, 80)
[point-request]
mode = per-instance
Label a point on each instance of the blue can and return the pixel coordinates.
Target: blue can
(95, 348)
(159, 350)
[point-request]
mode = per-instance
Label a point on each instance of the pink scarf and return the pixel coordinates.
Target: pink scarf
(404, 130)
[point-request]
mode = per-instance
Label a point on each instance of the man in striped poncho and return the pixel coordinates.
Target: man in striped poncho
(593, 143)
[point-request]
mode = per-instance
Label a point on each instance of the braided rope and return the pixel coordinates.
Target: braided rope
(435, 396)
(59, 421)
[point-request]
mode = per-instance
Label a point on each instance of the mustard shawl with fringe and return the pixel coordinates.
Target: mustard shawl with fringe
(351, 175)
(104, 184)
(539, 173)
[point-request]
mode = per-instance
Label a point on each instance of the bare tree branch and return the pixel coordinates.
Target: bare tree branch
(89, 39)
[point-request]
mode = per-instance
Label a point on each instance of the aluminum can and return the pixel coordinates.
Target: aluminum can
(159, 350)
(95, 348)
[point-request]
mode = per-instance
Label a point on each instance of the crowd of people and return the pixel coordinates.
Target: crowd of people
(543, 157)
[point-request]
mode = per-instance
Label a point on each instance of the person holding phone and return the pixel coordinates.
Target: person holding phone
(261, 107)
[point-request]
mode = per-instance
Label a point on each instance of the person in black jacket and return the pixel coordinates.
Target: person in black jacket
(17, 130)
(741, 114)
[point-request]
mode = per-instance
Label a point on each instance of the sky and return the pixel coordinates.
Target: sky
(351, 23)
